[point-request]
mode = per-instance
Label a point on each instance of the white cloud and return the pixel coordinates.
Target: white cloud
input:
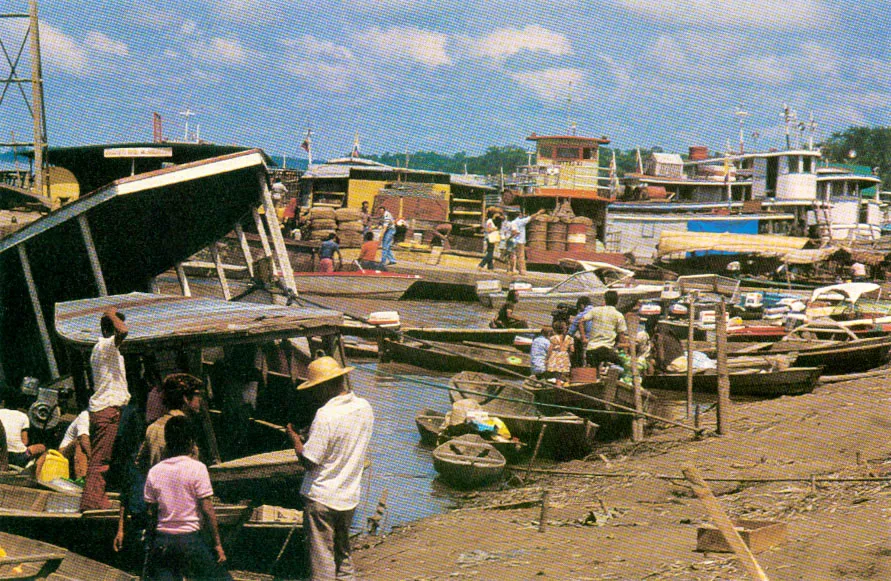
(552, 85)
(188, 28)
(328, 66)
(99, 42)
(226, 50)
(406, 43)
(58, 50)
(760, 14)
(309, 46)
(769, 69)
(507, 42)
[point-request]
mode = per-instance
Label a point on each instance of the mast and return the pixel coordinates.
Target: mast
(39, 111)
(741, 115)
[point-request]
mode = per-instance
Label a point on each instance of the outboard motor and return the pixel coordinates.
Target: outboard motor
(45, 413)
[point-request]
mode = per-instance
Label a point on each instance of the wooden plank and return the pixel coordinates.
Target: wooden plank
(221, 272)
(261, 231)
(722, 521)
(723, 372)
(183, 280)
(275, 232)
(95, 265)
(637, 424)
(245, 248)
(38, 313)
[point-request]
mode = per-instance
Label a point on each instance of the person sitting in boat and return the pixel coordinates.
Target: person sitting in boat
(669, 355)
(16, 424)
(327, 251)
(538, 353)
(506, 318)
(368, 254)
(75, 445)
(607, 331)
(559, 352)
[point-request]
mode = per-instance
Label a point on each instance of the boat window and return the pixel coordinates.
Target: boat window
(546, 151)
(808, 164)
(567, 152)
(588, 153)
(793, 164)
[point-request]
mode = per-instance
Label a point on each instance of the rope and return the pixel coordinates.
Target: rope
(828, 480)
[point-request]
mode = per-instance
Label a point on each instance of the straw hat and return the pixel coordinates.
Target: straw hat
(322, 370)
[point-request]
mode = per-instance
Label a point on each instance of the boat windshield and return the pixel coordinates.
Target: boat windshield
(580, 282)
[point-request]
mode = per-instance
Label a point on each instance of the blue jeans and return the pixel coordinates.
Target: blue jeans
(174, 556)
(489, 257)
(387, 247)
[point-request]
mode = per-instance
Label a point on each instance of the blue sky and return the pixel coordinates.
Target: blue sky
(452, 76)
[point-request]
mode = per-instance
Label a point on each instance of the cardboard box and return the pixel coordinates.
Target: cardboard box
(758, 535)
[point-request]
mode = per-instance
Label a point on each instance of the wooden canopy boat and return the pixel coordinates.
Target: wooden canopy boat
(55, 517)
(468, 462)
(567, 435)
(362, 284)
(748, 382)
(29, 559)
(453, 356)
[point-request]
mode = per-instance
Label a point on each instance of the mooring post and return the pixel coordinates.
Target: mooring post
(723, 375)
(637, 424)
(690, 318)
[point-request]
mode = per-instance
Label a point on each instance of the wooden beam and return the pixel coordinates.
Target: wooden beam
(275, 232)
(723, 373)
(183, 280)
(693, 297)
(245, 248)
(637, 424)
(261, 232)
(221, 272)
(723, 522)
(95, 265)
(38, 313)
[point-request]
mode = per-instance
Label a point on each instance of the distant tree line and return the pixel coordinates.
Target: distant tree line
(870, 146)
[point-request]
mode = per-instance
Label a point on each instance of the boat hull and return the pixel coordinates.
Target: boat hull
(454, 357)
(792, 381)
(468, 462)
(377, 285)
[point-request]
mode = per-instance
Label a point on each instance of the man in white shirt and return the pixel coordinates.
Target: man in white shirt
(110, 394)
(388, 233)
(16, 424)
(334, 457)
(519, 253)
(75, 445)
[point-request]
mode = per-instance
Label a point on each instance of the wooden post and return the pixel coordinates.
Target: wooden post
(723, 522)
(535, 451)
(637, 424)
(221, 272)
(275, 232)
(95, 266)
(4, 451)
(261, 232)
(723, 377)
(245, 248)
(690, 319)
(543, 513)
(38, 313)
(183, 280)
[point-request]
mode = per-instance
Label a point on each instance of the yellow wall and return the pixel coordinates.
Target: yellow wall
(359, 191)
(62, 184)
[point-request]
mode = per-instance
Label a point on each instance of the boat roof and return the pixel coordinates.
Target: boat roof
(12, 196)
(849, 290)
(603, 140)
(159, 321)
(93, 170)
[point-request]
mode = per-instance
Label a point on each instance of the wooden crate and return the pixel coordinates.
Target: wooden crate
(758, 535)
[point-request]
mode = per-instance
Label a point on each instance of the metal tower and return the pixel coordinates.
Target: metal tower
(35, 105)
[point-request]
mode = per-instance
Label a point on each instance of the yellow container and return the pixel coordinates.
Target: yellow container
(54, 466)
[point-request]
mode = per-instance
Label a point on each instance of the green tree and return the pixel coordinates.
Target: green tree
(491, 163)
(870, 146)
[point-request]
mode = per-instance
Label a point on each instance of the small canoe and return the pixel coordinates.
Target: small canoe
(429, 423)
(468, 462)
(454, 356)
(268, 478)
(25, 558)
(567, 435)
(745, 382)
(836, 357)
(359, 284)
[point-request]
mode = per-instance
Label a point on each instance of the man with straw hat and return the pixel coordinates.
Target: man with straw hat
(334, 457)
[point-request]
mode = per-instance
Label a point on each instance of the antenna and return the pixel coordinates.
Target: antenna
(741, 115)
(187, 113)
(788, 117)
(755, 136)
(812, 125)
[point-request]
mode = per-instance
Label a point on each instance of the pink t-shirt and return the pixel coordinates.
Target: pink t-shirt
(177, 485)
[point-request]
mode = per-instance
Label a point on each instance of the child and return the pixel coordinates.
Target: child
(558, 361)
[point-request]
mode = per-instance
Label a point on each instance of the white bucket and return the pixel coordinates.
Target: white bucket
(417, 237)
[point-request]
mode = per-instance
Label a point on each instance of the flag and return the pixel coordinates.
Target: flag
(307, 143)
(355, 152)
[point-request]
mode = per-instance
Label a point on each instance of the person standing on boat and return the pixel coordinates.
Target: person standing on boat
(493, 237)
(278, 191)
(388, 233)
(607, 331)
(582, 307)
(110, 394)
(334, 458)
(538, 353)
(519, 253)
(327, 251)
(365, 218)
(179, 498)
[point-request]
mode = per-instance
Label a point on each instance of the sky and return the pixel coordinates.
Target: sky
(410, 75)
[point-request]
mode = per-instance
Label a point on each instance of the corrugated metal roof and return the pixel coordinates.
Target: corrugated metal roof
(671, 158)
(472, 181)
(166, 320)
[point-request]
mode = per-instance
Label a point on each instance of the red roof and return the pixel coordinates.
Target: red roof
(601, 140)
(567, 193)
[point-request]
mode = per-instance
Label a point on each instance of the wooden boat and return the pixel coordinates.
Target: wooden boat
(468, 462)
(268, 478)
(429, 423)
(748, 382)
(567, 435)
(454, 356)
(461, 335)
(362, 284)
(29, 559)
(55, 517)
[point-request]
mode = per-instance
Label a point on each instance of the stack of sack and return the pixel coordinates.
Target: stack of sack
(349, 227)
(322, 222)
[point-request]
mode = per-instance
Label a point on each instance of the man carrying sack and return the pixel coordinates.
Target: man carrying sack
(334, 457)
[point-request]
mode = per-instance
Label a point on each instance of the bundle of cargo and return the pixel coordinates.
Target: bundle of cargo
(537, 232)
(349, 227)
(322, 222)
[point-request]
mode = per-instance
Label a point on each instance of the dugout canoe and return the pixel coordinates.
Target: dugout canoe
(468, 462)
(745, 382)
(30, 559)
(567, 435)
(453, 356)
